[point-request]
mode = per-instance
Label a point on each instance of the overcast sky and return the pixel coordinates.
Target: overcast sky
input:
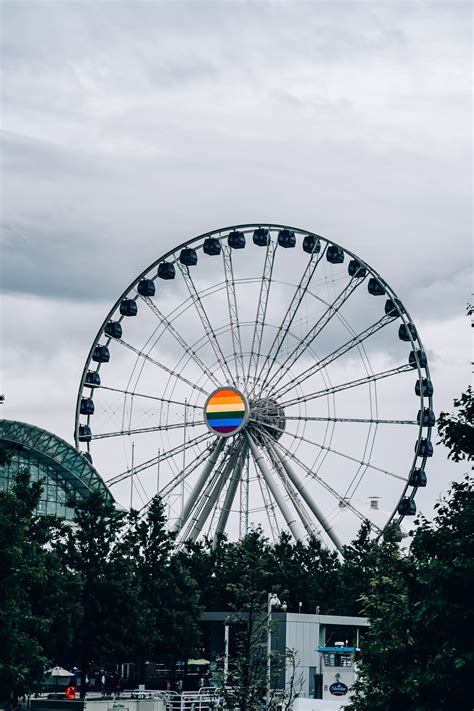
(130, 126)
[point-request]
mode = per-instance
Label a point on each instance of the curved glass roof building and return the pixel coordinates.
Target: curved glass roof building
(65, 471)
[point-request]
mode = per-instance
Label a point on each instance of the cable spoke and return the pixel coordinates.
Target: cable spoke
(178, 337)
(316, 329)
(326, 486)
(149, 397)
(349, 384)
(160, 365)
(338, 419)
(208, 330)
(160, 458)
(178, 479)
(313, 369)
(290, 314)
(233, 312)
(340, 454)
(261, 309)
(144, 430)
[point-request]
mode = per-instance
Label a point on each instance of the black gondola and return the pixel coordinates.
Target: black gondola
(426, 418)
(335, 254)
(146, 287)
(101, 354)
(211, 246)
(166, 270)
(113, 329)
(85, 434)
(129, 307)
(425, 387)
(88, 456)
(422, 359)
(236, 240)
(375, 288)
(188, 257)
(356, 269)
(87, 406)
(261, 237)
(286, 239)
(418, 478)
(424, 448)
(92, 379)
(311, 244)
(407, 507)
(405, 330)
(393, 307)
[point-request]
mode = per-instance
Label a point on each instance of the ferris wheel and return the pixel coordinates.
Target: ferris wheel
(260, 375)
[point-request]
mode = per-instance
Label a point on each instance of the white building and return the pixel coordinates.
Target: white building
(324, 648)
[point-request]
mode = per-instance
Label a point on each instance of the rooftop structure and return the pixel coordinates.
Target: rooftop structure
(65, 471)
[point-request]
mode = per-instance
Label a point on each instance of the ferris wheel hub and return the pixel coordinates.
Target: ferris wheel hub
(268, 417)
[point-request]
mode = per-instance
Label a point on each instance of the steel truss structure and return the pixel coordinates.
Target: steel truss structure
(304, 329)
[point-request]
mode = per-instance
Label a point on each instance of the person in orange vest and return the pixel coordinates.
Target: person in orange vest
(71, 692)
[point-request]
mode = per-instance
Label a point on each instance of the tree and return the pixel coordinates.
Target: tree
(417, 654)
(94, 552)
(457, 430)
(168, 628)
(34, 615)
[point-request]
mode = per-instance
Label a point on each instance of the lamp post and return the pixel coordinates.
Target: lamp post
(273, 603)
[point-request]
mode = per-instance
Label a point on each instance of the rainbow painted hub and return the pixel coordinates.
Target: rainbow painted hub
(226, 411)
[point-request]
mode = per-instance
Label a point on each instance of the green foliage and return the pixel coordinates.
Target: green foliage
(418, 649)
(457, 430)
(169, 610)
(32, 592)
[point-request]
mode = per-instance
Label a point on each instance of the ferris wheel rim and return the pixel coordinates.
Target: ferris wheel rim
(221, 233)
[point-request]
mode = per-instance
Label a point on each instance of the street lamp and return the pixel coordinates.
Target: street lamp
(273, 603)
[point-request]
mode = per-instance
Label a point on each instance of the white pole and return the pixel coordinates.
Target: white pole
(133, 472)
(158, 474)
(226, 652)
(184, 461)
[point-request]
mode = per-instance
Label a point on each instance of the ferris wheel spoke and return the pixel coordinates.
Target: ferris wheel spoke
(316, 329)
(262, 306)
(373, 420)
(339, 498)
(206, 324)
(178, 479)
(305, 495)
(178, 337)
(155, 460)
(170, 371)
(233, 313)
(405, 368)
(134, 394)
(230, 496)
(340, 454)
(289, 316)
(327, 360)
(260, 462)
(145, 430)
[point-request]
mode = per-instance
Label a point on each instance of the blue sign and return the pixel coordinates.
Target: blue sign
(338, 689)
